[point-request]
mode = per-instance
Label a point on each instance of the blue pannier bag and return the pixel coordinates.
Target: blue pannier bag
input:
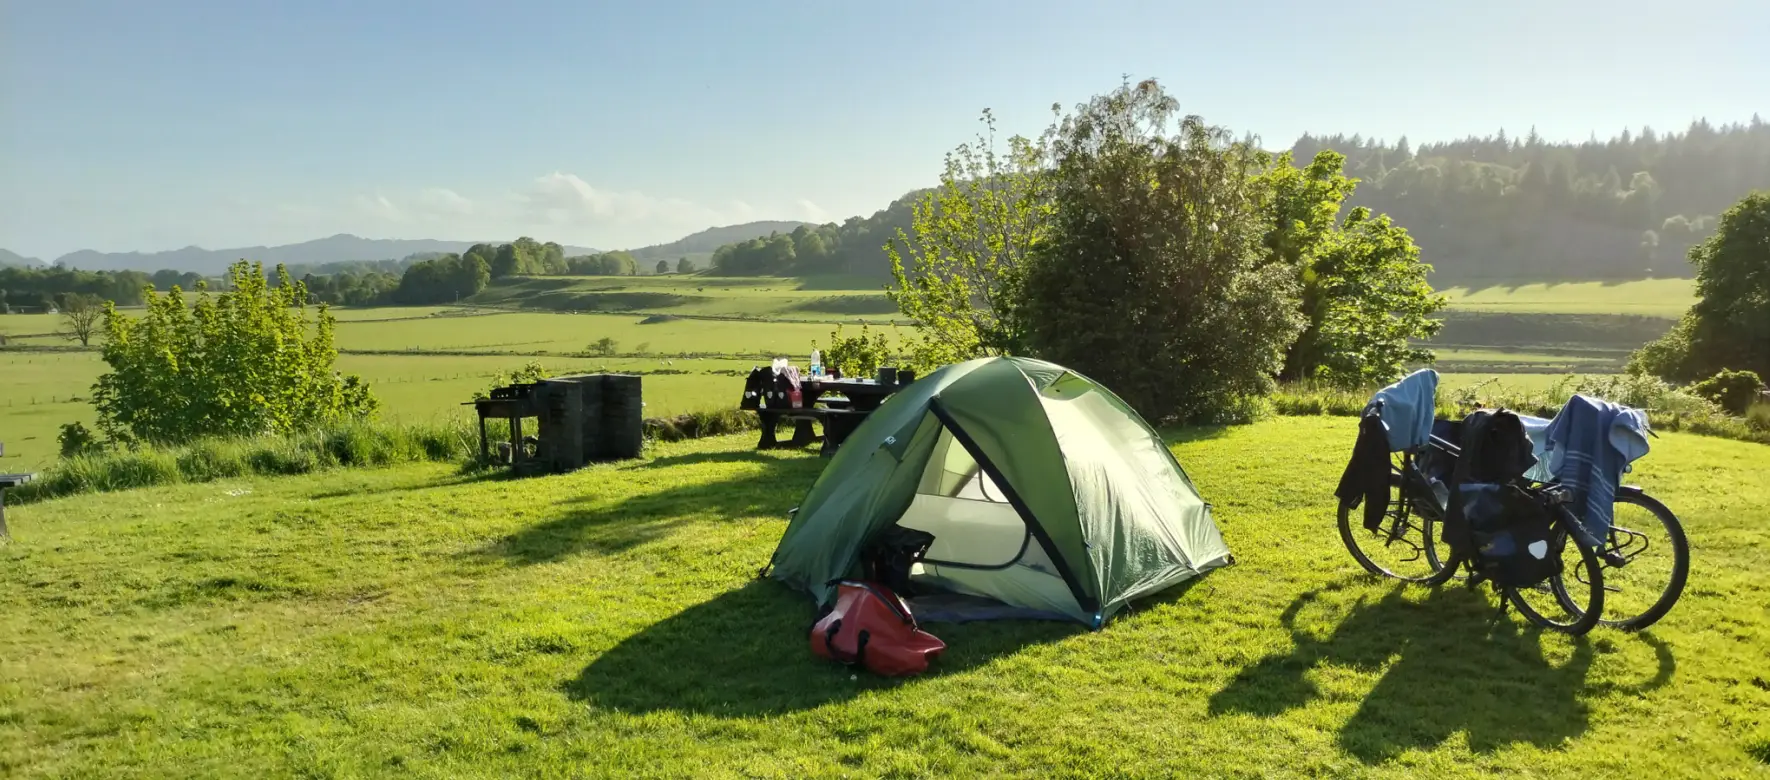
(1514, 543)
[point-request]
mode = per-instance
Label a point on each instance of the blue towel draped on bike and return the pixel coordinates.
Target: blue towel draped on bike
(1590, 445)
(1407, 408)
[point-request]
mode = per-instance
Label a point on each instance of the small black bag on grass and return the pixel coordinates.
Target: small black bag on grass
(888, 557)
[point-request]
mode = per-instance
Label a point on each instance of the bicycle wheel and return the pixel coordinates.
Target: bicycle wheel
(1580, 580)
(1404, 546)
(1647, 560)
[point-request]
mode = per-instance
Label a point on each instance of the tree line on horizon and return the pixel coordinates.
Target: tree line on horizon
(418, 279)
(1483, 209)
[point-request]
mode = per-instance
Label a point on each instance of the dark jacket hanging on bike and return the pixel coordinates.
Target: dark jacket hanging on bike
(1366, 477)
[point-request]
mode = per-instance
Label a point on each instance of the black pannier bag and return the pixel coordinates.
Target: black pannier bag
(1510, 532)
(1492, 521)
(888, 557)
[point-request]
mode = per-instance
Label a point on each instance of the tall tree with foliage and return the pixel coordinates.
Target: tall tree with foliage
(958, 270)
(1364, 293)
(80, 314)
(663, 267)
(684, 266)
(247, 361)
(1154, 276)
(1729, 327)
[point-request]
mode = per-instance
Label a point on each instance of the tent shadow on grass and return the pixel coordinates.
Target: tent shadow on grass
(578, 527)
(746, 653)
(1447, 671)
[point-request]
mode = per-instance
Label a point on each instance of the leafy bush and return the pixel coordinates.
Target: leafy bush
(531, 371)
(1154, 278)
(858, 356)
(1757, 418)
(602, 347)
(1668, 407)
(76, 439)
(1735, 391)
(247, 362)
(695, 425)
(1730, 323)
(205, 460)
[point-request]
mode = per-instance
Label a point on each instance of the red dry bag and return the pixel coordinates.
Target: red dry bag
(871, 627)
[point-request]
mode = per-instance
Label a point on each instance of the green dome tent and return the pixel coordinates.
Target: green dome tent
(1043, 491)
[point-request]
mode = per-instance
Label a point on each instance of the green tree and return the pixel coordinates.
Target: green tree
(521, 257)
(445, 279)
(684, 266)
(603, 347)
(958, 277)
(80, 314)
(244, 362)
(1365, 299)
(1364, 293)
(552, 259)
(663, 267)
(1154, 278)
(486, 253)
(1729, 327)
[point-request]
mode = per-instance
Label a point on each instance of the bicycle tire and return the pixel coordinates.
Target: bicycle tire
(1351, 524)
(1585, 618)
(1680, 565)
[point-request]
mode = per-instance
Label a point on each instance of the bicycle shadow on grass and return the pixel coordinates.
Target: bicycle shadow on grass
(747, 652)
(1446, 667)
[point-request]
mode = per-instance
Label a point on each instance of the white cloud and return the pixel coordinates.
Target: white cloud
(379, 207)
(559, 206)
(811, 212)
(444, 202)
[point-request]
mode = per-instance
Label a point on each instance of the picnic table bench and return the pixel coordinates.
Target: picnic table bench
(839, 404)
(9, 481)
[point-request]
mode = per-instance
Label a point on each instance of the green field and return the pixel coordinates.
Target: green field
(608, 622)
(424, 361)
(1458, 359)
(35, 388)
(1668, 298)
(697, 296)
(541, 333)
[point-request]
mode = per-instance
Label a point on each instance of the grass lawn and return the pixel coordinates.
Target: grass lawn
(608, 623)
(35, 388)
(706, 296)
(1450, 358)
(1668, 298)
(531, 333)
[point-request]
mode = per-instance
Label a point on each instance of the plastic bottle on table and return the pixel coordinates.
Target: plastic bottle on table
(817, 364)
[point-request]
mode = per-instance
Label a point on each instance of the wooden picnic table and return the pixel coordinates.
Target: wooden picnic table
(845, 404)
(9, 481)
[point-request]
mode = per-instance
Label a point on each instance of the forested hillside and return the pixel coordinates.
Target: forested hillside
(1483, 210)
(1517, 208)
(706, 241)
(855, 247)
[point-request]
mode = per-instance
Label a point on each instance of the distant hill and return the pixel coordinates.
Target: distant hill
(704, 242)
(346, 248)
(341, 248)
(10, 258)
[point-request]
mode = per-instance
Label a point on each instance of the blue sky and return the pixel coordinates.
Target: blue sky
(154, 125)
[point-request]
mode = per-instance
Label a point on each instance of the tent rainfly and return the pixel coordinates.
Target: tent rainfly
(1043, 491)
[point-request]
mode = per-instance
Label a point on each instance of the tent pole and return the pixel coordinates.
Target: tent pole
(1087, 602)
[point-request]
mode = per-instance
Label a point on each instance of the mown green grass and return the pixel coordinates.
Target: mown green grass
(35, 388)
(1649, 297)
(1452, 358)
(534, 333)
(697, 295)
(413, 622)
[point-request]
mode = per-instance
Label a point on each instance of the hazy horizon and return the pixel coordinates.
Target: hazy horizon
(137, 127)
